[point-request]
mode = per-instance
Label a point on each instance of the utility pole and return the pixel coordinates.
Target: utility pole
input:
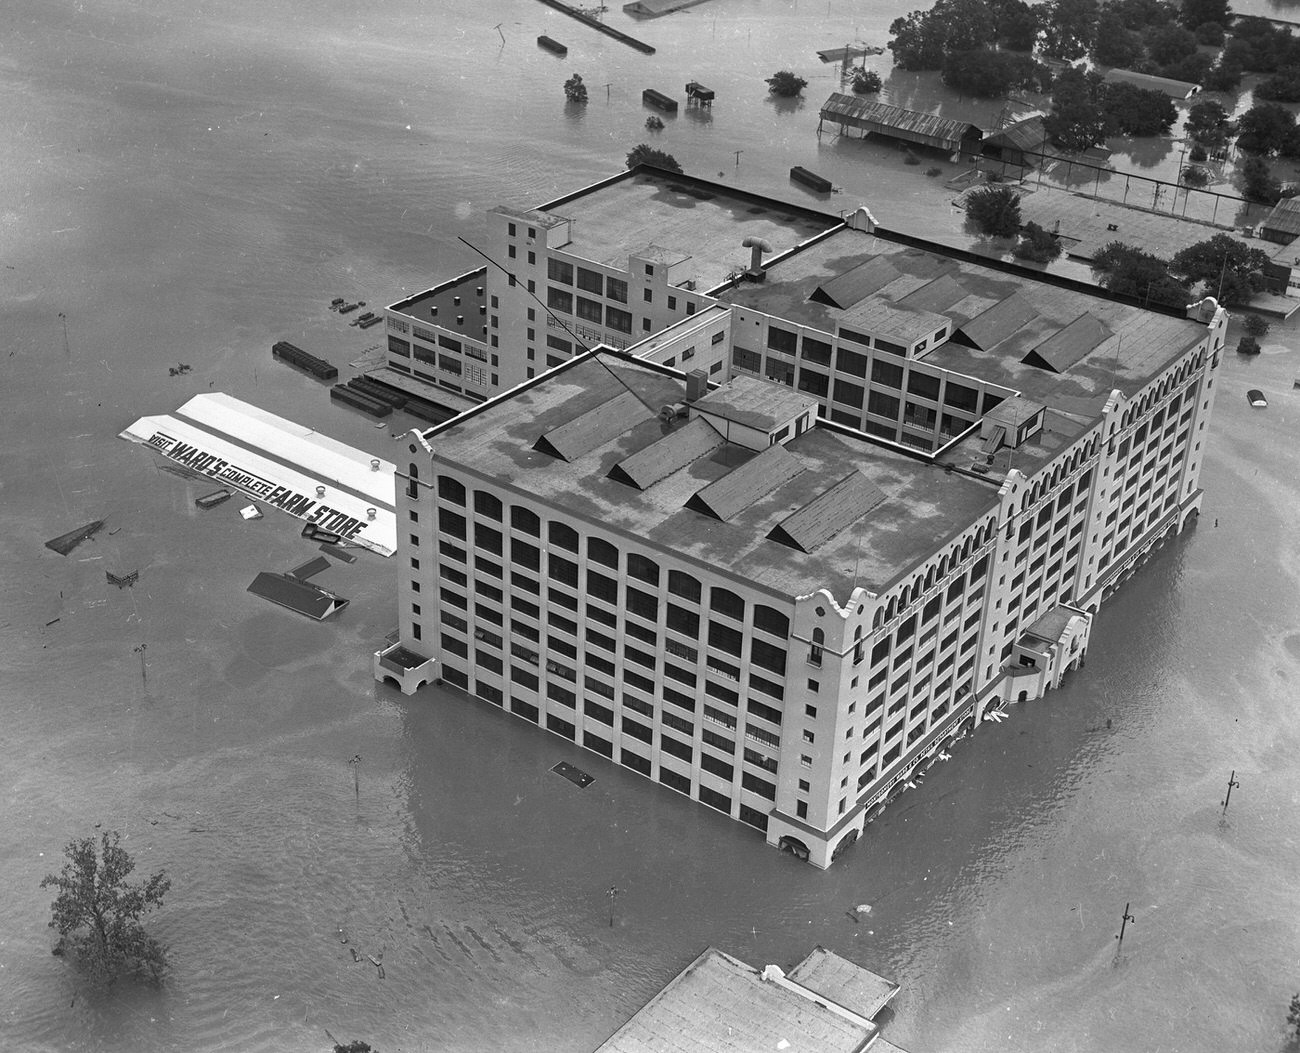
(144, 672)
(497, 27)
(67, 350)
(607, 93)
(612, 894)
(738, 153)
(355, 765)
(1232, 781)
(1123, 922)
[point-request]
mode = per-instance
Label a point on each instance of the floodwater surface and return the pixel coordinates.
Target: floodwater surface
(188, 182)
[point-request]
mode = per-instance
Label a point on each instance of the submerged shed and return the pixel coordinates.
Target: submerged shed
(912, 126)
(1175, 89)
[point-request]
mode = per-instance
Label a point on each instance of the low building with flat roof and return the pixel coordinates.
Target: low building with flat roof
(780, 554)
(718, 1004)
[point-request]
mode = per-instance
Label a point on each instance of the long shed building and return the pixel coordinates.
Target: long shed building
(912, 126)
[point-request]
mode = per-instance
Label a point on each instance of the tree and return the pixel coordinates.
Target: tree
(645, 154)
(1137, 111)
(994, 210)
(97, 912)
(1224, 76)
(924, 39)
(1193, 176)
(1142, 275)
(574, 89)
(1229, 270)
(1282, 86)
(1207, 124)
(1211, 34)
(1017, 25)
(1116, 44)
(1265, 128)
(1036, 244)
(1078, 119)
(1256, 325)
(786, 85)
(1138, 14)
(1069, 27)
(1198, 12)
(1169, 43)
(1257, 182)
(987, 73)
(866, 82)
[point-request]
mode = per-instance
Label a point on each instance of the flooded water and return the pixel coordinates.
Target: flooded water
(188, 182)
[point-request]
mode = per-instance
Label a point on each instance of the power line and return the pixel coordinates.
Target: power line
(514, 280)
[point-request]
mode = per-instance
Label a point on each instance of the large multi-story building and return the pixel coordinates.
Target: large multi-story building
(780, 584)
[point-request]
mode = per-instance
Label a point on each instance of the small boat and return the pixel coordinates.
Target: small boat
(1256, 398)
(366, 323)
(810, 179)
(346, 307)
(213, 499)
(553, 46)
(314, 533)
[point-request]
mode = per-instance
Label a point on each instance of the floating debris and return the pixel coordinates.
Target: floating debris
(180, 369)
(65, 543)
(251, 512)
(310, 569)
(124, 581)
(213, 499)
(575, 775)
(338, 553)
(296, 595)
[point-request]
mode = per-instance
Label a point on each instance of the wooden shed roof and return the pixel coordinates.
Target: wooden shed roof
(894, 120)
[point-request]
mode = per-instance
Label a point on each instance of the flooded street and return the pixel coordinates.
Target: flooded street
(189, 182)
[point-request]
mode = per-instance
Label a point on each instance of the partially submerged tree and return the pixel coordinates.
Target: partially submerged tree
(1078, 118)
(1227, 269)
(866, 82)
(1036, 244)
(1257, 182)
(574, 89)
(1207, 124)
(1142, 275)
(97, 911)
(645, 154)
(786, 85)
(994, 210)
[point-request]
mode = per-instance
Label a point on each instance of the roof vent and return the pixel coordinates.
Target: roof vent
(757, 246)
(697, 384)
(672, 411)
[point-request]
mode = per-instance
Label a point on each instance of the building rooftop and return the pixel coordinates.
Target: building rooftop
(691, 220)
(845, 982)
(1059, 346)
(828, 508)
(439, 307)
(718, 1004)
(1285, 217)
(1175, 89)
(756, 403)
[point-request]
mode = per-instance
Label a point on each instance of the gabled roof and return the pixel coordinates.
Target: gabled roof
(937, 295)
(863, 112)
(296, 595)
(856, 284)
(593, 428)
(845, 983)
(1027, 136)
(741, 487)
(682, 445)
(754, 403)
(1000, 321)
(826, 515)
(1175, 89)
(1064, 348)
(1014, 411)
(1285, 217)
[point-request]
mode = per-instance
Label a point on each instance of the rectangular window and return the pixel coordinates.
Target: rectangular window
(887, 373)
(559, 271)
(847, 361)
(589, 310)
(619, 320)
(559, 300)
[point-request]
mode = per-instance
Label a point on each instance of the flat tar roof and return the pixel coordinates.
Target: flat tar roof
(851, 534)
(677, 214)
(439, 305)
(718, 1004)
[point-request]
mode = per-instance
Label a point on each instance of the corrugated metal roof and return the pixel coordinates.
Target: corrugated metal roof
(862, 112)
(1000, 321)
(1285, 217)
(594, 428)
(741, 487)
(674, 451)
(718, 1004)
(1014, 411)
(1175, 89)
(994, 442)
(1063, 349)
(856, 284)
(826, 515)
(1027, 136)
(845, 983)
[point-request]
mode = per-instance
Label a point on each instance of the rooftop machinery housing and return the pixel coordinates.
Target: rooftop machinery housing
(819, 520)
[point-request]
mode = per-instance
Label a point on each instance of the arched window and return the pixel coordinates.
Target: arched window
(815, 649)
(451, 490)
(858, 649)
(414, 471)
(486, 504)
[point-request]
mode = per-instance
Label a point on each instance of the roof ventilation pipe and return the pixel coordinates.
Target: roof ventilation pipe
(697, 384)
(756, 246)
(672, 411)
